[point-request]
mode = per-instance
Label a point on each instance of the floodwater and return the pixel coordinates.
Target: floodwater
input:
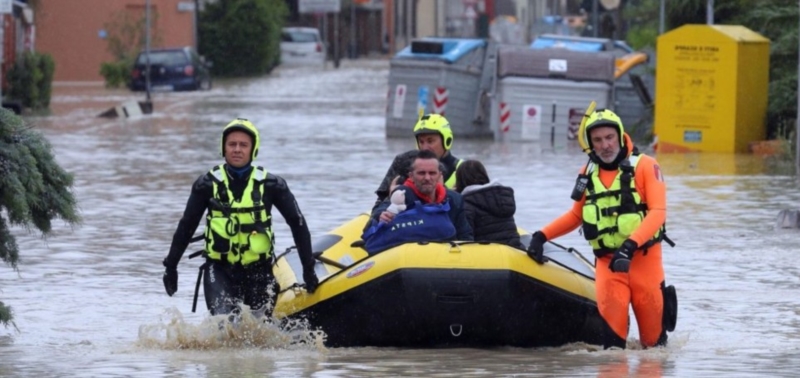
(89, 300)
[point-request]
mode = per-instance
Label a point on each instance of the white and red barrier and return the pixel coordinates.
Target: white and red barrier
(505, 117)
(440, 96)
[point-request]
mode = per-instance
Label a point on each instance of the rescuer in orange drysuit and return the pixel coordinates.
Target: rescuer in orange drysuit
(620, 203)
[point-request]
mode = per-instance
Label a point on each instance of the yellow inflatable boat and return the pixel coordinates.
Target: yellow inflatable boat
(441, 294)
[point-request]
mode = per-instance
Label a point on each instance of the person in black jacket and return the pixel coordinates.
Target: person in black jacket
(237, 199)
(489, 206)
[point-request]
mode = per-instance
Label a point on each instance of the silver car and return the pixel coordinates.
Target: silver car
(302, 45)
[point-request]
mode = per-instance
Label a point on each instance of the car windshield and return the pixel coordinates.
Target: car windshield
(166, 58)
(298, 36)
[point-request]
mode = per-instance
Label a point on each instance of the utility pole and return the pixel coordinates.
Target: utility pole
(147, 49)
(409, 21)
(797, 117)
(194, 25)
(352, 30)
(336, 39)
(2, 51)
(710, 12)
(595, 16)
(661, 10)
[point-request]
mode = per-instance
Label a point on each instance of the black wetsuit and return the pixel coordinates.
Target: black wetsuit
(224, 283)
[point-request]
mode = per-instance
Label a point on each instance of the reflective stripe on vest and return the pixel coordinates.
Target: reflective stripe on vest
(239, 230)
(607, 220)
(451, 181)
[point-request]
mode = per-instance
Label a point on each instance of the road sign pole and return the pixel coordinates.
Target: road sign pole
(353, 54)
(147, 49)
(336, 39)
(2, 51)
(6, 7)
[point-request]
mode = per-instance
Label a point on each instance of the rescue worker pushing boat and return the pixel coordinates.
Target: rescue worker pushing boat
(620, 204)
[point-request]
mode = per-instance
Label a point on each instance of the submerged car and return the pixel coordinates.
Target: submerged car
(173, 69)
(302, 45)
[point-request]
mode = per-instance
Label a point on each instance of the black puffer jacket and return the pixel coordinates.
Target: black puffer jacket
(490, 212)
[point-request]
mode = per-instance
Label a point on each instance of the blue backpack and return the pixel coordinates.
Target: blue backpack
(421, 223)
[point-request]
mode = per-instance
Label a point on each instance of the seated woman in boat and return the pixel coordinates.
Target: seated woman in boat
(489, 206)
(432, 212)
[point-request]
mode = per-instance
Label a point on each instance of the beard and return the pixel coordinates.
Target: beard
(608, 156)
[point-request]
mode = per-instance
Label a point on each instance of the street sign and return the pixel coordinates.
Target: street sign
(531, 122)
(186, 6)
(610, 4)
(399, 100)
(319, 6)
(422, 99)
(6, 6)
(470, 12)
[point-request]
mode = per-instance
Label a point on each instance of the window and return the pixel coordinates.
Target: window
(299, 36)
(165, 58)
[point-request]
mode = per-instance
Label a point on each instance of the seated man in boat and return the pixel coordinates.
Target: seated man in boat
(433, 213)
(432, 133)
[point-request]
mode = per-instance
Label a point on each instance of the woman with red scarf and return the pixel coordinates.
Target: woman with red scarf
(433, 213)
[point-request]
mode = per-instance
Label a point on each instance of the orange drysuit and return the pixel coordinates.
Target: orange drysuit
(642, 285)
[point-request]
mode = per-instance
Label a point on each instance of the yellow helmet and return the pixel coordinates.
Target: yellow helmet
(241, 124)
(604, 117)
(435, 124)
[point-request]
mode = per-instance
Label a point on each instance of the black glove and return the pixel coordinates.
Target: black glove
(170, 279)
(621, 262)
(536, 248)
(311, 280)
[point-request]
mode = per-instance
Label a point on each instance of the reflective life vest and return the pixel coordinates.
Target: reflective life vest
(238, 231)
(451, 181)
(611, 215)
(421, 223)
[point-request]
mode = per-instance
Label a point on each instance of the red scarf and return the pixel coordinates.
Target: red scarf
(440, 192)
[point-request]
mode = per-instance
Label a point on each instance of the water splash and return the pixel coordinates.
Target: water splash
(248, 329)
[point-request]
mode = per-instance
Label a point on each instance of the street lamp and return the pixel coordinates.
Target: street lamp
(147, 50)
(797, 117)
(710, 12)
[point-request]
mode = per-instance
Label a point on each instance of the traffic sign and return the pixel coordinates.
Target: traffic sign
(319, 6)
(186, 6)
(470, 12)
(610, 4)
(422, 98)
(6, 6)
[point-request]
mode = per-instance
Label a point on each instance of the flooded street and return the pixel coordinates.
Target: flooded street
(82, 295)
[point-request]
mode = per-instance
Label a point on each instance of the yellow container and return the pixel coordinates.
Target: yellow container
(711, 88)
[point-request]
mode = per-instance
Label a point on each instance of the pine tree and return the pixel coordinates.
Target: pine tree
(34, 189)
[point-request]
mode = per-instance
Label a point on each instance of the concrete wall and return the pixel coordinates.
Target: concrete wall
(70, 30)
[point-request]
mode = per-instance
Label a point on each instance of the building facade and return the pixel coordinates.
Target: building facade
(77, 32)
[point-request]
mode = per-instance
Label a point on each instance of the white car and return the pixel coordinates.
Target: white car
(301, 45)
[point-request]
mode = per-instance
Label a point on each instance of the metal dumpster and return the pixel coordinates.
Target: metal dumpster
(634, 84)
(542, 94)
(444, 76)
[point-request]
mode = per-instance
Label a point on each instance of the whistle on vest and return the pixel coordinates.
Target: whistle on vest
(580, 186)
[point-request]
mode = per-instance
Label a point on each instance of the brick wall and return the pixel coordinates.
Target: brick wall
(71, 31)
